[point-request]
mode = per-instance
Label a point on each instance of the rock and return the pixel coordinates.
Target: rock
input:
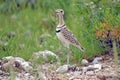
(74, 68)
(91, 73)
(84, 62)
(98, 66)
(76, 76)
(16, 63)
(27, 66)
(62, 69)
(44, 54)
(23, 64)
(84, 70)
(8, 58)
(94, 67)
(19, 59)
(7, 65)
(77, 73)
(96, 60)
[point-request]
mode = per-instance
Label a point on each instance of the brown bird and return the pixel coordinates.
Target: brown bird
(64, 34)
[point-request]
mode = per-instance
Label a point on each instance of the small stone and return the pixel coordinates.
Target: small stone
(16, 63)
(44, 54)
(91, 73)
(96, 60)
(84, 62)
(63, 69)
(71, 78)
(91, 68)
(27, 65)
(47, 56)
(19, 59)
(95, 66)
(98, 66)
(84, 70)
(23, 65)
(6, 66)
(74, 68)
(7, 58)
(77, 73)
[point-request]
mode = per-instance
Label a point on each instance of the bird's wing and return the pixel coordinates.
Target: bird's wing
(69, 36)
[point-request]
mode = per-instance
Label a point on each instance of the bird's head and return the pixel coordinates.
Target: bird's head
(59, 12)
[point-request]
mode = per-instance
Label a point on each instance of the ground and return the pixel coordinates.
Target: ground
(47, 71)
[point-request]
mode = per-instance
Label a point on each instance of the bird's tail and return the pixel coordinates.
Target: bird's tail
(81, 48)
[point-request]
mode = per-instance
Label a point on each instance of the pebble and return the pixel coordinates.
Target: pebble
(96, 60)
(16, 63)
(62, 69)
(44, 54)
(84, 62)
(91, 73)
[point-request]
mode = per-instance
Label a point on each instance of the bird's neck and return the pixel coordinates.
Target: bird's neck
(61, 20)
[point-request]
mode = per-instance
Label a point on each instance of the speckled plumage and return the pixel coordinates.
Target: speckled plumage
(69, 37)
(64, 34)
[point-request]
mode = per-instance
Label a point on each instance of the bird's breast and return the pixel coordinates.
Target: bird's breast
(62, 39)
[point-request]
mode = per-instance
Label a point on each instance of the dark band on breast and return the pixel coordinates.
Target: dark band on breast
(58, 31)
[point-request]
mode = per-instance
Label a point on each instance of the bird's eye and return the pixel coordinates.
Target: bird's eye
(61, 11)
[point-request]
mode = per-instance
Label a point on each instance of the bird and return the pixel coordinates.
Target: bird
(65, 35)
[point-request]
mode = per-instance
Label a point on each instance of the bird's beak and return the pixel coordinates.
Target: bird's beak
(56, 11)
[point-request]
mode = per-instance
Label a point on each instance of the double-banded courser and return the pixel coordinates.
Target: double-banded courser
(64, 34)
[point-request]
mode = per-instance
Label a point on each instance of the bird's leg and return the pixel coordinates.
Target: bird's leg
(68, 55)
